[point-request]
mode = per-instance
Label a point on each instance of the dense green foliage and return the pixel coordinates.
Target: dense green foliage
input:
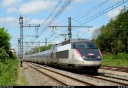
(113, 37)
(8, 72)
(41, 48)
(4, 39)
(5, 45)
(120, 60)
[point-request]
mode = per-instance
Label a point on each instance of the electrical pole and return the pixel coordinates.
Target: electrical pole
(45, 41)
(19, 48)
(21, 40)
(70, 28)
(21, 37)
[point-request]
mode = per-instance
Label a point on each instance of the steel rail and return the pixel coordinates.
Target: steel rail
(81, 81)
(107, 80)
(64, 84)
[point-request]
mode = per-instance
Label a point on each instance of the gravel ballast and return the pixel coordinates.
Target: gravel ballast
(35, 78)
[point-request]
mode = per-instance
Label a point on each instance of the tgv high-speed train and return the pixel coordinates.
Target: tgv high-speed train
(78, 54)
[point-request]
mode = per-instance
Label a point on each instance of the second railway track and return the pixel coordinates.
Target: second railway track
(110, 79)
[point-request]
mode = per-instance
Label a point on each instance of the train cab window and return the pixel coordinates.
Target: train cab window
(90, 45)
(78, 45)
(83, 45)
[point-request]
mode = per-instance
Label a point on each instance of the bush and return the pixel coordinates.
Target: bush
(3, 55)
(8, 72)
(119, 60)
(122, 56)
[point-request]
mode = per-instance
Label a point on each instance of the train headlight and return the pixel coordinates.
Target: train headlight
(99, 57)
(84, 57)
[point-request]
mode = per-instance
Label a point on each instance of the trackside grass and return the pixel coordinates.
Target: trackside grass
(8, 72)
(120, 60)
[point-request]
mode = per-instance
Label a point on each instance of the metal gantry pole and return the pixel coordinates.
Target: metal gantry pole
(21, 37)
(21, 40)
(69, 28)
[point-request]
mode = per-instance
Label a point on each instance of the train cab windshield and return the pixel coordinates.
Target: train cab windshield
(83, 45)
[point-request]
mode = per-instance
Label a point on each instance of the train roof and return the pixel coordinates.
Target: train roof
(73, 40)
(79, 40)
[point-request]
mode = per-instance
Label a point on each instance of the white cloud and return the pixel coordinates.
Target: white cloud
(10, 10)
(7, 3)
(35, 6)
(36, 21)
(9, 22)
(114, 13)
(88, 30)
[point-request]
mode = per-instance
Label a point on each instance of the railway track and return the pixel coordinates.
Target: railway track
(120, 69)
(107, 78)
(46, 71)
(114, 77)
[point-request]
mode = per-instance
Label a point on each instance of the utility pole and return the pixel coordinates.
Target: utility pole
(70, 28)
(45, 41)
(18, 47)
(21, 37)
(21, 40)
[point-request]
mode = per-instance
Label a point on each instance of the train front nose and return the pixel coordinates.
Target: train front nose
(90, 54)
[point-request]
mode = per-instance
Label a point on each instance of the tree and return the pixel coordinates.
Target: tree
(36, 50)
(4, 43)
(111, 38)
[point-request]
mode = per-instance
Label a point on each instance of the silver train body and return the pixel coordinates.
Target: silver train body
(78, 54)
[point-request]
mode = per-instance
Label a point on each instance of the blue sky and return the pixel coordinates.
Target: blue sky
(36, 12)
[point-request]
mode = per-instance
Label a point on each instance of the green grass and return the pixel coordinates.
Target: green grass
(24, 81)
(8, 72)
(120, 60)
(21, 79)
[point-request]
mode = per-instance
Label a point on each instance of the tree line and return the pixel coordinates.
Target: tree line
(39, 49)
(113, 37)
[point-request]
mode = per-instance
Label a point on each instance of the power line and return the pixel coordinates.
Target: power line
(90, 10)
(103, 12)
(67, 3)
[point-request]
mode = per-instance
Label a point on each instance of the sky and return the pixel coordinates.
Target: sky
(37, 12)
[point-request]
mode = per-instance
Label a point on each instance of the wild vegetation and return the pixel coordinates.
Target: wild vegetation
(5, 45)
(8, 72)
(8, 61)
(119, 60)
(41, 48)
(112, 40)
(113, 37)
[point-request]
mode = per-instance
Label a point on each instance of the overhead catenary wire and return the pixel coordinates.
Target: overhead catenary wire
(90, 10)
(103, 12)
(67, 3)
